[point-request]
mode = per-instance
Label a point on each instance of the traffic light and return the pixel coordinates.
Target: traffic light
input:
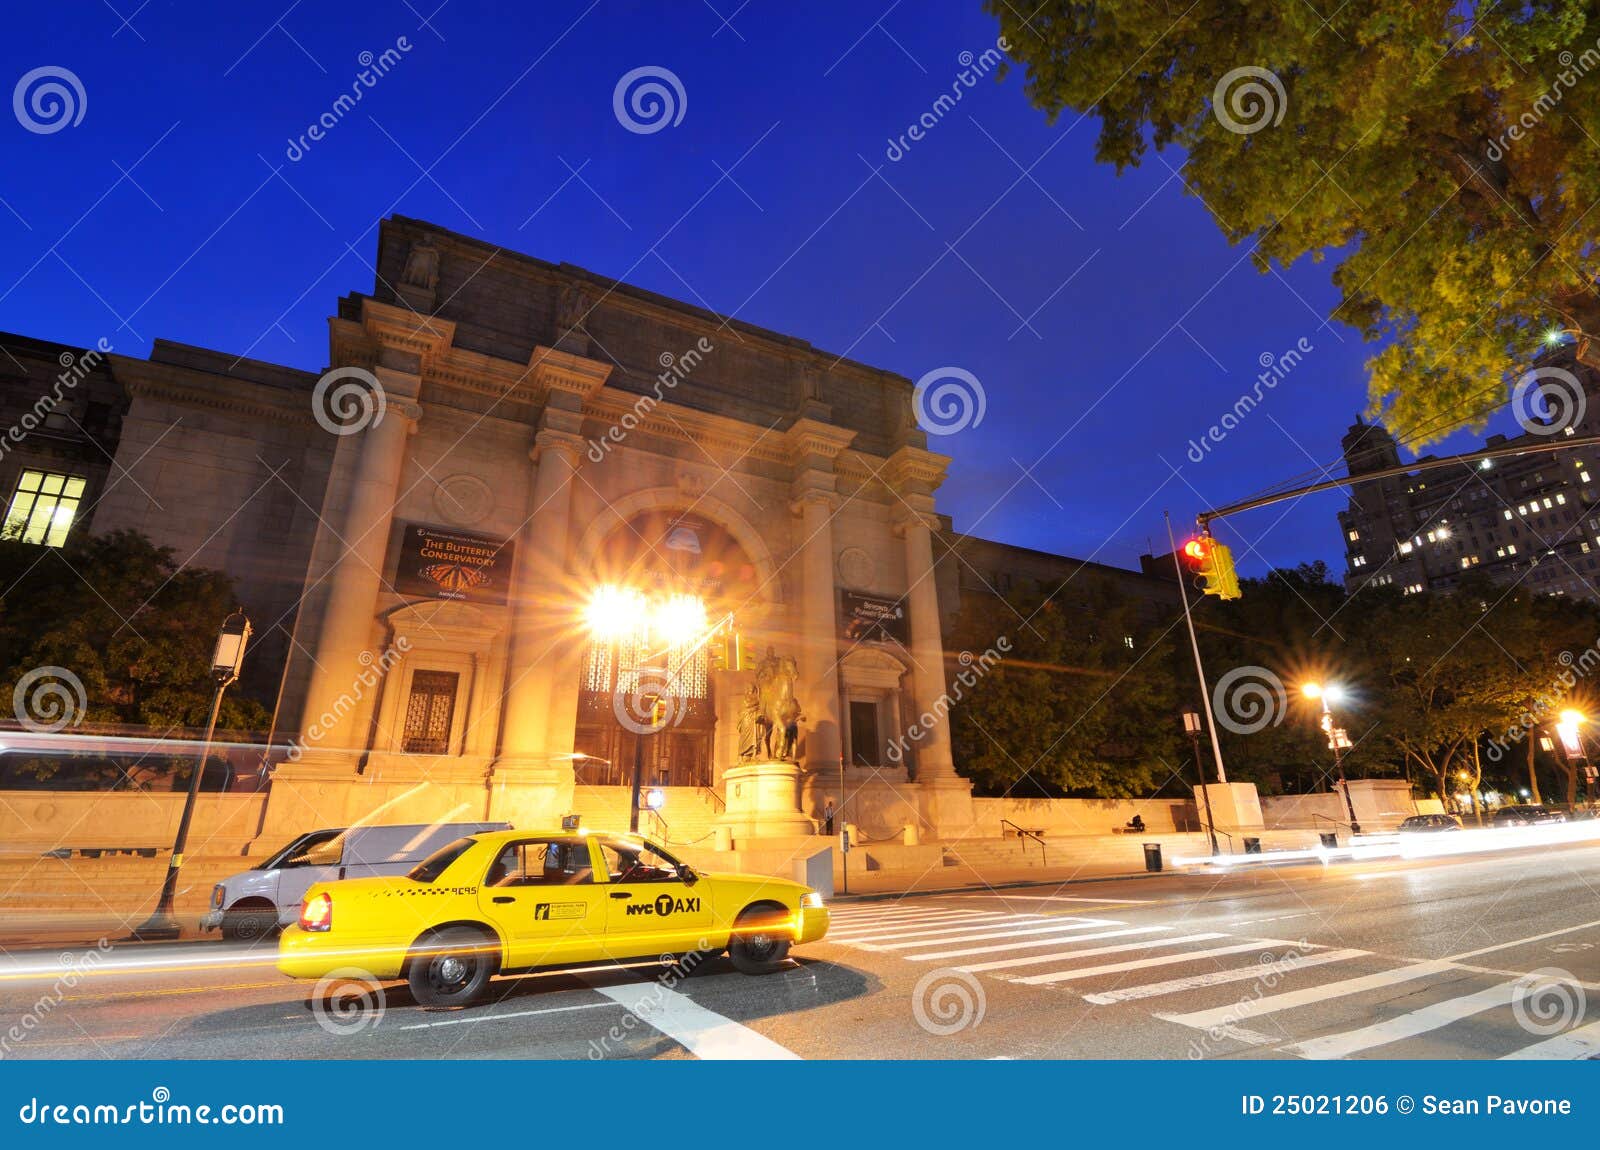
(1213, 562)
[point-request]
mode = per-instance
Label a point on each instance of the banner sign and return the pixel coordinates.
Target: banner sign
(868, 619)
(444, 564)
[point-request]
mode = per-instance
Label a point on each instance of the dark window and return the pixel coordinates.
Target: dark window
(439, 861)
(429, 711)
(864, 746)
(545, 862)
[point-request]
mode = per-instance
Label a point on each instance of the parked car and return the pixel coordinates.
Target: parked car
(256, 902)
(1526, 815)
(1431, 823)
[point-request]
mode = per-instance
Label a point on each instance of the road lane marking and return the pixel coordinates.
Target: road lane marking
(1036, 960)
(886, 930)
(704, 1033)
(1579, 1042)
(1218, 978)
(1254, 1008)
(858, 922)
(1049, 940)
(1522, 941)
(459, 1020)
(1410, 1024)
(979, 937)
(1060, 898)
(1135, 964)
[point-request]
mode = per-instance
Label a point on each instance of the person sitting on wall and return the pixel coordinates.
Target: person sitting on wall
(1136, 824)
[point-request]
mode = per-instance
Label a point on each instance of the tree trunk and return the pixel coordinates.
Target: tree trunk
(1533, 771)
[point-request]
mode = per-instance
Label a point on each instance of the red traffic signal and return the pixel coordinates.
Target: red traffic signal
(1197, 551)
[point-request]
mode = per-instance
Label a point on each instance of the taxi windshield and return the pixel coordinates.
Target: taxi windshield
(435, 864)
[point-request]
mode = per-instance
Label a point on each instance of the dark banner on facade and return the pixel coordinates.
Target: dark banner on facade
(871, 620)
(440, 564)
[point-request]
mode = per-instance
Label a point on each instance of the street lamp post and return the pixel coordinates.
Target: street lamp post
(1191, 727)
(1572, 745)
(1338, 740)
(225, 663)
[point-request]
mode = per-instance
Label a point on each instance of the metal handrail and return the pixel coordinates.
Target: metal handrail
(1026, 834)
(716, 798)
(1330, 819)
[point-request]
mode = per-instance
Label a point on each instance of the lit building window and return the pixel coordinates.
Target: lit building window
(1358, 560)
(43, 508)
(1405, 548)
(1354, 535)
(1561, 499)
(1508, 513)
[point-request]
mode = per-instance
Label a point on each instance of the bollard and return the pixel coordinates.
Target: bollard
(911, 836)
(1152, 856)
(1330, 839)
(1252, 846)
(723, 838)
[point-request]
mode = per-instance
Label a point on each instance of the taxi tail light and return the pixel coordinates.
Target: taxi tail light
(317, 914)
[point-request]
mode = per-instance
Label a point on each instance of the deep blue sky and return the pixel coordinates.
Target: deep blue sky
(1155, 337)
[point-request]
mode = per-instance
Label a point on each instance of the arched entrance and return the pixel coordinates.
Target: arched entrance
(667, 584)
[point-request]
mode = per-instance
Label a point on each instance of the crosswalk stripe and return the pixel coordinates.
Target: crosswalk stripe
(1244, 1011)
(1039, 959)
(921, 920)
(862, 937)
(984, 934)
(1579, 1042)
(1019, 897)
(1218, 978)
(1035, 943)
(1410, 1024)
(1135, 964)
(911, 916)
(904, 929)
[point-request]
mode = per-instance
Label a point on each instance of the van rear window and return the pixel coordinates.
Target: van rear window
(436, 864)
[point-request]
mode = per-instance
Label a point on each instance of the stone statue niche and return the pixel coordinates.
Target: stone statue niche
(770, 714)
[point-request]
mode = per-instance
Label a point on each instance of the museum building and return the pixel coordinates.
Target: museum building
(519, 493)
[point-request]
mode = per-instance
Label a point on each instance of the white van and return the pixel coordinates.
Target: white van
(256, 902)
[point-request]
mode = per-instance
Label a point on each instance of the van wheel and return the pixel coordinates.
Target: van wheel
(452, 967)
(759, 943)
(249, 923)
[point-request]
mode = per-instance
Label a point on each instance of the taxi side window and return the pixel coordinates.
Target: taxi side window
(635, 862)
(541, 862)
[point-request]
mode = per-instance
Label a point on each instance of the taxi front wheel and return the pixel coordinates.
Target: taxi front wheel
(451, 968)
(758, 945)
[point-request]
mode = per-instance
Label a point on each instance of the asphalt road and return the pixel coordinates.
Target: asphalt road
(1483, 957)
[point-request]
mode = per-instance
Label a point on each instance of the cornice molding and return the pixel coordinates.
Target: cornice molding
(147, 380)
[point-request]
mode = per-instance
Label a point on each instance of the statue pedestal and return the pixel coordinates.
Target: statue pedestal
(763, 801)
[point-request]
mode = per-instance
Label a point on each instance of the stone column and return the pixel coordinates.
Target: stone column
(819, 644)
(934, 762)
(538, 589)
(355, 579)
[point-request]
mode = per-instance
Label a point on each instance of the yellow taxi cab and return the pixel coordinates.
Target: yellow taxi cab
(504, 901)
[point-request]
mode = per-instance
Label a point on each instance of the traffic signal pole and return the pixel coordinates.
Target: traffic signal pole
(1199, 668)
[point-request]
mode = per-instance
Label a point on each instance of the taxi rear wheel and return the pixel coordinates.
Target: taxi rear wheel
(452, 967)
(759, 946)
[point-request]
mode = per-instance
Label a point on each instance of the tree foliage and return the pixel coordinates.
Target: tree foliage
(118, 614)
(1444, 153)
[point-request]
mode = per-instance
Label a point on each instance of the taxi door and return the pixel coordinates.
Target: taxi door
(650, 910)
(541, 895)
